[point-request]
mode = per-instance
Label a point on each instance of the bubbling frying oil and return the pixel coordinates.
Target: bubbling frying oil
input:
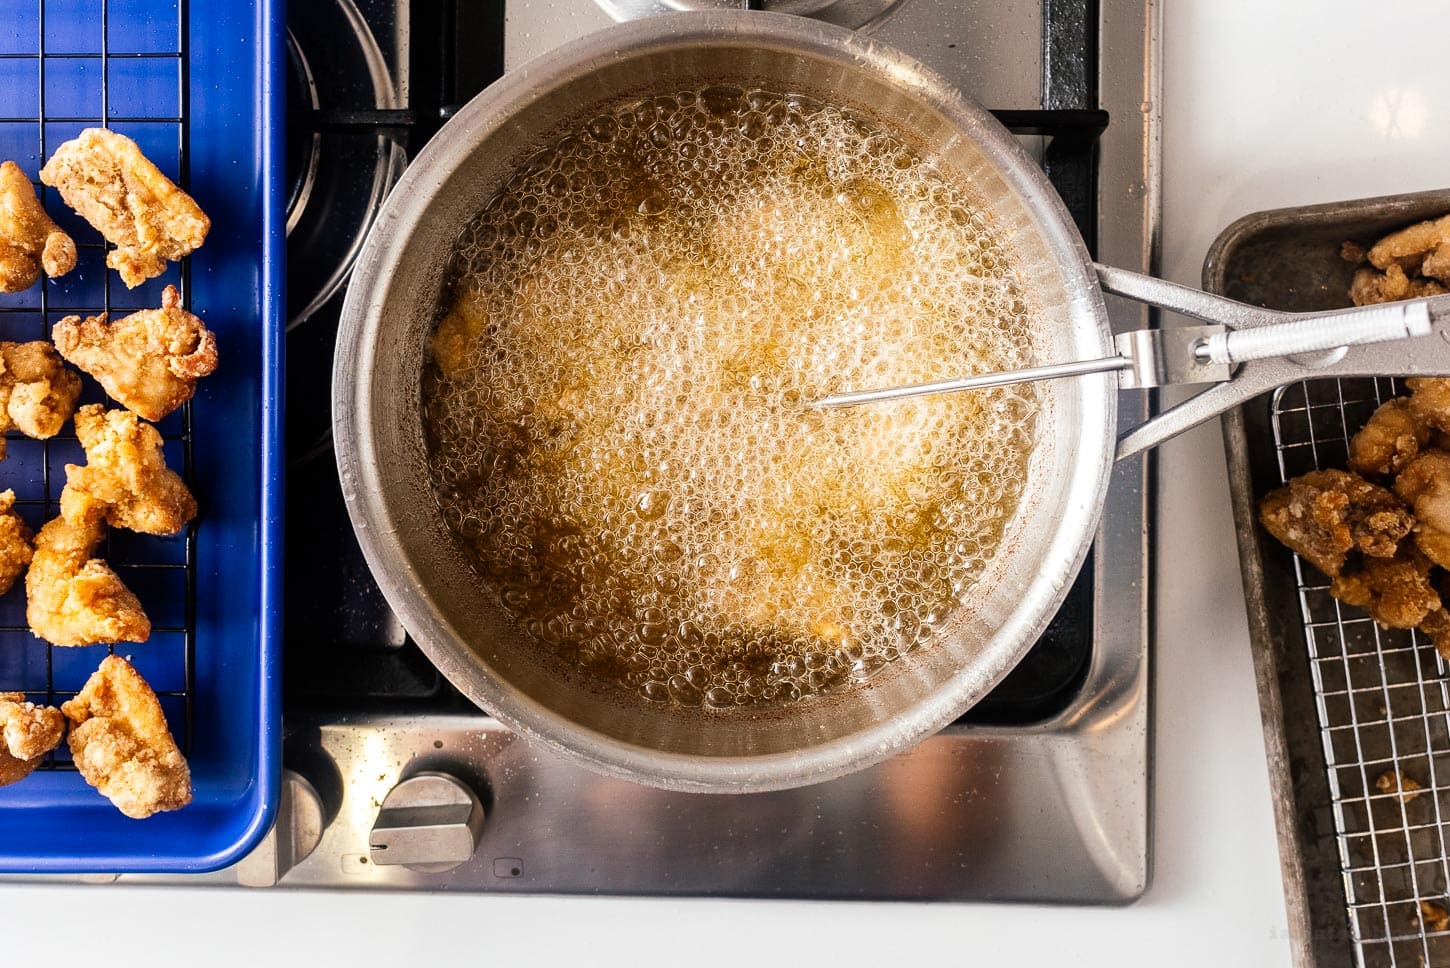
(616, 419)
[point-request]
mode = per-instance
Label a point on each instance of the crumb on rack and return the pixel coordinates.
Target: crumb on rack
(1434, 917)
(1393, 781)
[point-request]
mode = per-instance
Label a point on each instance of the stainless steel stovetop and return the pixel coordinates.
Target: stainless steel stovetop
(395, 782)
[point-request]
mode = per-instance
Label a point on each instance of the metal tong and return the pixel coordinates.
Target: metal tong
(1244, 349)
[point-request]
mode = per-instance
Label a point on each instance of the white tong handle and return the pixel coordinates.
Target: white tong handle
(1373, 324)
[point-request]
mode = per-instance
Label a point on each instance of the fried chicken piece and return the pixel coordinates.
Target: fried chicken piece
(1370, 287)
(1395, 591)
(1393, 781)
(1430, 400)
(37, 393)
(1391, 437)
(1437, 264)
(126, 473)
(73, 598)
(1424, 484)
(27, 733)
(1436, 625)
(1323, 515)
(149, 361)
(458, 334)
(1409, 243)
(29, 240)
(16, 542)
(112, 185)
(121, 743)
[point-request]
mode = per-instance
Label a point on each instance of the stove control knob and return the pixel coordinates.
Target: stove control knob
(300, 819)
(429, 823)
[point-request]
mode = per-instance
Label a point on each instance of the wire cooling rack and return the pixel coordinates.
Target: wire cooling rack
(66, 65)
(1384, 713)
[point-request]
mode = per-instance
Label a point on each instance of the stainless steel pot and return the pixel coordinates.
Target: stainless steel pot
(392, 306)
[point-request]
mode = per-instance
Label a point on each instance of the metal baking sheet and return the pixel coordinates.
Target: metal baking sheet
(1342, 700)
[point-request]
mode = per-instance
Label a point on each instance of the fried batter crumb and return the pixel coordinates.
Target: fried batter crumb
(126, 473)
(149, 361)
(17, 543)
(1434, 917)
(1352, 252)
(37, 393)
(73, 598)
(1391, 438)
(112, 185)
(1393, 781)
(121, 743)
(29, 240)
(27, 733)
(1323, 515)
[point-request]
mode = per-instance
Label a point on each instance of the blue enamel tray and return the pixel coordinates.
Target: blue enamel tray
(198, 85)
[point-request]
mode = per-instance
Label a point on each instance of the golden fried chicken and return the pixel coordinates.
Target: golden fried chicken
(1412, 262)
(1436, 625)
(149, 361)
(1370, 287)
(73, 598)
(1424, 484)
(1409, 245)
(1391, 437)
(29, 240)
(1323, 515)
(27, 733)
(458, 334)
(126, 473)
(1437, 264)
(112, 185)
(1430, 400)
(37, 393)
(121, 744)
(1395, 591)
(16, 542)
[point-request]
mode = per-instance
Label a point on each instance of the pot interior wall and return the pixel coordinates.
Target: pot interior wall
(469, 637)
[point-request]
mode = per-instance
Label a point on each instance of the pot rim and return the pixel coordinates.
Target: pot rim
(357, 459)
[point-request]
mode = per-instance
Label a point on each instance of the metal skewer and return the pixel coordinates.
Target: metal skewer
(1107, 364)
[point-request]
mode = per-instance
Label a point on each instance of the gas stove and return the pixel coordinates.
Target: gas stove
(395, 781)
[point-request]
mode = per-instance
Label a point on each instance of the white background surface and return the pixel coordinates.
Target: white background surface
(1266, 104)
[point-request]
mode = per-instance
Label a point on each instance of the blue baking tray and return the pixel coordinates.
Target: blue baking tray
(198, 85)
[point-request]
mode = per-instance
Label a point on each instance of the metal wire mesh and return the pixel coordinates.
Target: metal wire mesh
(66, 65)
(1384, 713)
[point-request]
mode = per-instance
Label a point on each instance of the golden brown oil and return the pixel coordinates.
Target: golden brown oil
(616, 421)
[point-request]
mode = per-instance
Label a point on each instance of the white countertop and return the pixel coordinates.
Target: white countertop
(1266, 104)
